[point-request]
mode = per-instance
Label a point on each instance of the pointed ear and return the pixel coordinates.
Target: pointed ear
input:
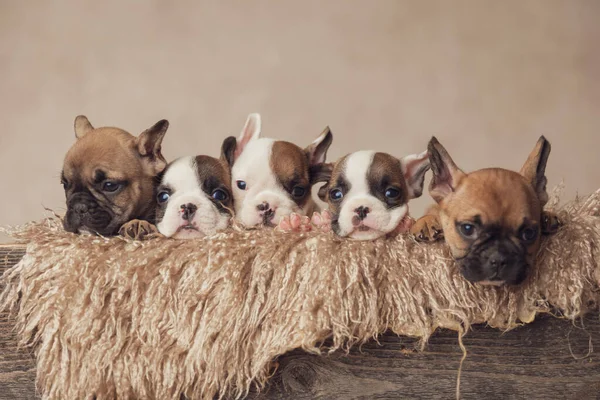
(414, 168)
(534, 169)
(149, 144)
(82, 126)
(317, 150)
(446, 174)
(251, 131)
(228, 150)
(321, 173)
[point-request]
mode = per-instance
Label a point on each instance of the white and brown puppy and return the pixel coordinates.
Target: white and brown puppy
(272, 178)
(194, 198)
(367, 193)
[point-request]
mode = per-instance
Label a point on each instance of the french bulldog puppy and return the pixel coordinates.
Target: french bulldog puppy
(194, 198)
(272, 178)
(109, 177)
(492, 218)
(367, 194)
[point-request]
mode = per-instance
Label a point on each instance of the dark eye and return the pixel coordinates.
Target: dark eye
(467, 230)
(336, 194)
(298, 191)
(64, 184)
(241, 185)
(219, 195)
(162, 197)
(392, 193)
(528, 234)
(110, 187)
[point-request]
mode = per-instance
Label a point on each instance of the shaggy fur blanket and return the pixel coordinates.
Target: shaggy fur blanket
(113, 318)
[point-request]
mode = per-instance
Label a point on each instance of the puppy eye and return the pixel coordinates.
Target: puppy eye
(64, 184)
(110, 187)
(467, 230)
(298, 191)
(219, 195)
(392, 193)
(163, 197)
(336, 194)
(241, 184)
(528, 234)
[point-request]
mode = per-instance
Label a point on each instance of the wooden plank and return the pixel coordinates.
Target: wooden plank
(531, 362)
(547, 359)
(17, 366)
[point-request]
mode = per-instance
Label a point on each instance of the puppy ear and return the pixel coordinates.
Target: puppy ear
(149, 144)
(534, 169)
(445, 172)
(228, 150)
(317, 150)
(251, 131)
(82, 126)
(321, 173)
(414, 168)
(323, 191)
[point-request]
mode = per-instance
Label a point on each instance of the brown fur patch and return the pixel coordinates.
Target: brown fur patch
(337, 180)
(386, 172)
(290, 165)
(215, 174)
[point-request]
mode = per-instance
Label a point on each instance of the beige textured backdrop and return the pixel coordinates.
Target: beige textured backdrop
(486, 77)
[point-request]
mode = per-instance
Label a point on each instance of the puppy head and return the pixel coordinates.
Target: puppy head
(194, 198)
(367, 192)
(271, 178)
(491, 217)
(109, 176)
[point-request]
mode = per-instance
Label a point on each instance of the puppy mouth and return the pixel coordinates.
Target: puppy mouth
(188, 227)
(268, 218)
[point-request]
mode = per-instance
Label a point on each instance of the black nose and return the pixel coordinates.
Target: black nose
(362, 212)
(80, 208)
(498, 260)
(188, 211)
(264, 206)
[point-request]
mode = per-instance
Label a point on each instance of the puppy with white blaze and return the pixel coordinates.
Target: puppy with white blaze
(194, 198)
(367, 194)
(272, 178)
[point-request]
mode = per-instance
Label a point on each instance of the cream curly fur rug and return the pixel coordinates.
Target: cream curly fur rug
(161, 318)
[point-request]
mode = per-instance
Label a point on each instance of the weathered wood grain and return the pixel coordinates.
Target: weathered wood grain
(547, 359)
(17, 367)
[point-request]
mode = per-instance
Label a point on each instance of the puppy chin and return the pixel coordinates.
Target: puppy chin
(370, 234)
(187, 233)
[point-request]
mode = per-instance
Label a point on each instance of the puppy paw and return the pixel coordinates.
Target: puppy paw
(427, 229)
(322, 221)
(550, 223)
(138, 230)
(294, 223)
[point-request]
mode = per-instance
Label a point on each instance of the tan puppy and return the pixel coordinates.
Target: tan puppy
(492, 219)
(109, 177)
